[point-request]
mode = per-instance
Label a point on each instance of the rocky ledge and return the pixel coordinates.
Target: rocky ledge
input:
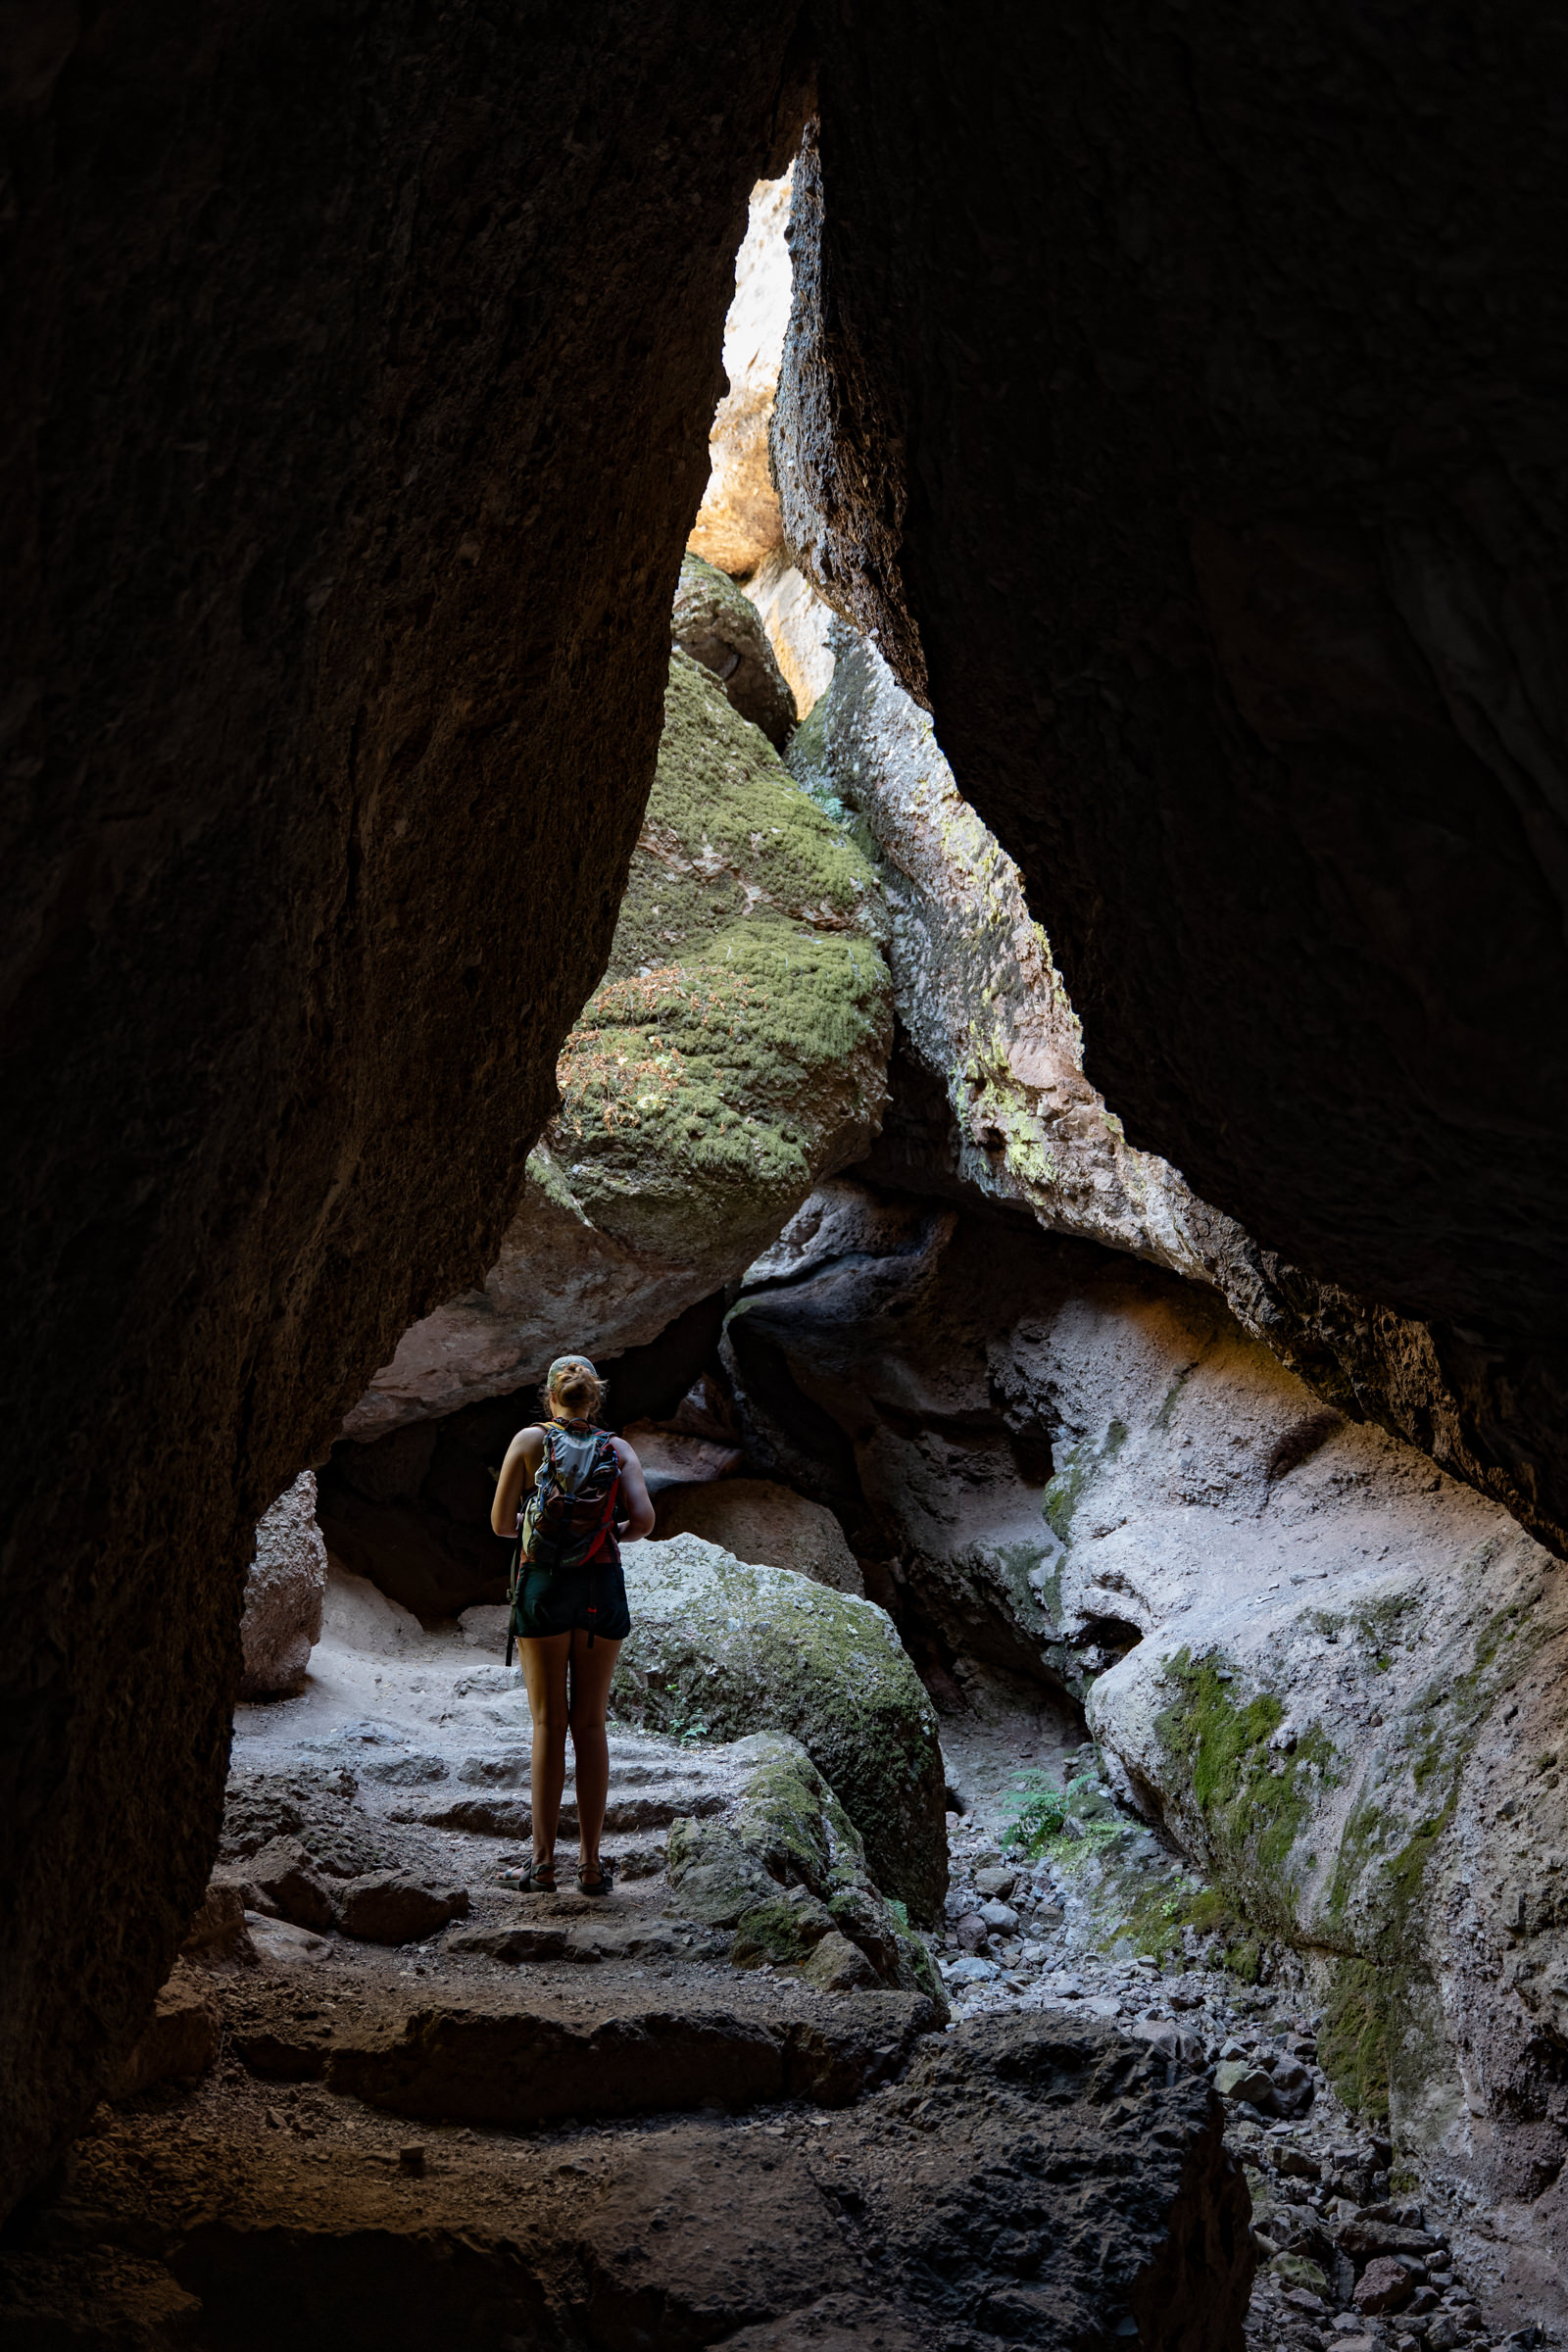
(1033, 2181)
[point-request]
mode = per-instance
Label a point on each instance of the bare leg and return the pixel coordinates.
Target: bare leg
(544, 1670)
(591, 1670)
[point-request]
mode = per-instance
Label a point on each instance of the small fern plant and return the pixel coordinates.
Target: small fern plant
(1038, 1812)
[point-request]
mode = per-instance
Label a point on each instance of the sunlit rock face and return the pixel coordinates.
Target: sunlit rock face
(739, 525)
(1210, 509)
(1332, 1671)
(361, 367)
(734, 1054)
(796, 623)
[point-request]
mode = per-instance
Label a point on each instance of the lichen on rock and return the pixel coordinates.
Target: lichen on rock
(786, 1869)
(737, 1043)
(718, 1650)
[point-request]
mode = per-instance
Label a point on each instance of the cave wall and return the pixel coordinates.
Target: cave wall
(1180, 404)
(358, 370)
(1069, 1468)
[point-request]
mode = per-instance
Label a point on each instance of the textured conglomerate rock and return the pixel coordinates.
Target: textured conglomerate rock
(329, 334)
(286, 1589)
(733, 1053)
(1197, 469)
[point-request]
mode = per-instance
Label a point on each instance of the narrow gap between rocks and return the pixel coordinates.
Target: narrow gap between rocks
(1014, 1660)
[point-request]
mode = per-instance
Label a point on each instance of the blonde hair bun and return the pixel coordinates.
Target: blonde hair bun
(572, 1382)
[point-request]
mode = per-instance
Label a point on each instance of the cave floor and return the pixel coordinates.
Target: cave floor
(398, 2141)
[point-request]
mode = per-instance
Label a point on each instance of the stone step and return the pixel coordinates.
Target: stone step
(1041, 2183)
(563, 1940)
(501, 2059)
(512, 1816)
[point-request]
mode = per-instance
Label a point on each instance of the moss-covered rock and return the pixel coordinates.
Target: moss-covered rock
(735, 1053)
(737, 1048)
(718, 1650)
(721, 629)
(786, 1869)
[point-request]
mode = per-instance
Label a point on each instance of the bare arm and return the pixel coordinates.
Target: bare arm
(639, 1519)
(517, 1474)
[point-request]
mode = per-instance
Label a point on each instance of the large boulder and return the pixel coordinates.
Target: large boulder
(739, 523)
(284, 1592)
(734, 1052)
(785, 1868)
(724, 630)
(720, 1649)
(757, 1519)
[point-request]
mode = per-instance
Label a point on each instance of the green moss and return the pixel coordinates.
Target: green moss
(786, 1867)
(1353, 2043)
(1157, 1917)
(745, 1019)
(1065, 1489)
(750, 1648)
(1254, 1803)
(1172, 1397)
(780, 1930)
(1386, 1850)
(1294, 2269)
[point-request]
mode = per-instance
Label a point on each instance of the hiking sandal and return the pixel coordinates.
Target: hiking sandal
(534, 1877)
(603, 1884)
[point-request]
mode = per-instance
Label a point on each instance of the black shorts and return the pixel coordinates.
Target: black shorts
(589, 1600)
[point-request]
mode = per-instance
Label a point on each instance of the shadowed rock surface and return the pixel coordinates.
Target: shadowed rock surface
(986, 1015)
(1214, 505)
(1127, 2216)
(1176, 402)
(329, 334)
(1331, 1675)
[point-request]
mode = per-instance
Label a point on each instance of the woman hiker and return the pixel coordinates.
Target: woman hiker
(570, 1612)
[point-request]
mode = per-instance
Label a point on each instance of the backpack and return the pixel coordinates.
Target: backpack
(571, 1509)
